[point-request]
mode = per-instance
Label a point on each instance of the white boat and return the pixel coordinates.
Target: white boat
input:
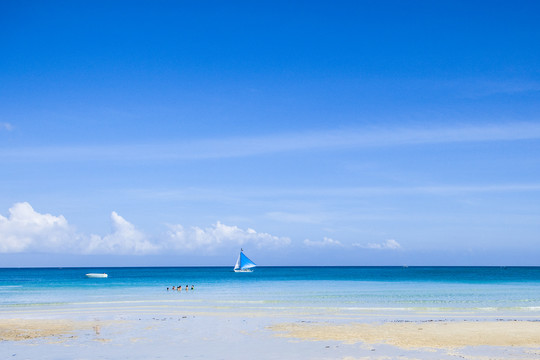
(243, 264)
(95, 275)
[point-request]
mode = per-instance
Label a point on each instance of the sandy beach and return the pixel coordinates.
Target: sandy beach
(440, 334)
(25, 329)
(167, 330)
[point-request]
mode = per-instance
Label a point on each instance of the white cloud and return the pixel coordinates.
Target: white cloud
(124, 239)
(390, 244)
(324, 242)
(27, 230)
(219, 236)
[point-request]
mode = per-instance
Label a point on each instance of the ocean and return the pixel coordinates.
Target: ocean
(502, 289)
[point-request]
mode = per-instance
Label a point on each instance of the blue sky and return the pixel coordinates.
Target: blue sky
(308, 133)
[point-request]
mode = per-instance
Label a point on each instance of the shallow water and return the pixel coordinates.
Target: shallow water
(413, 288)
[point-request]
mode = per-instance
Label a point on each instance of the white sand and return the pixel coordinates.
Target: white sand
(421, 334)
(171, 330)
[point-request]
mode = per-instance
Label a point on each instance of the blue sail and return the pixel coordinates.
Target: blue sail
(243, 263)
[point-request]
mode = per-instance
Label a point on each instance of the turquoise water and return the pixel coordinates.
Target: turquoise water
(340, 287)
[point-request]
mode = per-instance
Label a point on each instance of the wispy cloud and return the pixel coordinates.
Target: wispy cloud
(323, 243)
(405, 190)
(259, 145)
(6, 126)
(307, 218)
(249, 194)
(477, 88)
(389, 244)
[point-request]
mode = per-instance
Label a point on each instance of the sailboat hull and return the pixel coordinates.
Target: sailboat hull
(243, 270)
(93, 275)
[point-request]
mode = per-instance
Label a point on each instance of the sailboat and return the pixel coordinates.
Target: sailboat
(243, 264)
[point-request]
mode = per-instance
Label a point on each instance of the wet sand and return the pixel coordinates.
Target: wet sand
(25, 329)
(196, 330)
(440, 334)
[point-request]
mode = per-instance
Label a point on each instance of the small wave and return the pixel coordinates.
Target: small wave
(33, 304)
(370, 308)
(241, 301)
